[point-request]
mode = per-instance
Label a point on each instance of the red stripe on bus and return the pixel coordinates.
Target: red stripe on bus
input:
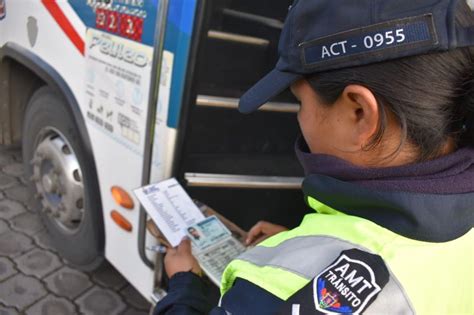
(64, 23)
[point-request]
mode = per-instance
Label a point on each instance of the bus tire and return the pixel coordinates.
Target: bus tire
(63, 179)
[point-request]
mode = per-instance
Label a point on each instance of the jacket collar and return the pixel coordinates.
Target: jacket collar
(423, 201)
(423, 217)
(451, 174)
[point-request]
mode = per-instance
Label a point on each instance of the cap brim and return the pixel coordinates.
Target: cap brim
(268, 87)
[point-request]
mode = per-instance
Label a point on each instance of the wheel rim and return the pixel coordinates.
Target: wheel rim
(58, 180)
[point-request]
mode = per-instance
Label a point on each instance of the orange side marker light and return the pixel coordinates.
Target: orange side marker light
(121, 221)
(122, 198)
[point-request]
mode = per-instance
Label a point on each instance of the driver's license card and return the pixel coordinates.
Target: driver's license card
(208, 232)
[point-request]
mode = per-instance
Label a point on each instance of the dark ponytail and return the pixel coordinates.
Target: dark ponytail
(468, 101)
(431, 95)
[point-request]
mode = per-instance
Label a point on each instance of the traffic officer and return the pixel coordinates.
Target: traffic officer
(387, 101)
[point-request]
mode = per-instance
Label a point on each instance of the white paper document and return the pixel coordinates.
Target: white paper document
(177, 216)
(170, 207)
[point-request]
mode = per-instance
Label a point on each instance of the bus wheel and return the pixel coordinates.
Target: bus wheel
(63, 179)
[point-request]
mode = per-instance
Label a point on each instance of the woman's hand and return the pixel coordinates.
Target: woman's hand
(181, 259)
(261, 231)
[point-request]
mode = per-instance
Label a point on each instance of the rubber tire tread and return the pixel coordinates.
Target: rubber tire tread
(85, 248)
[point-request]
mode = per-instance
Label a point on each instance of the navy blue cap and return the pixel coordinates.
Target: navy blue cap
(322, 35)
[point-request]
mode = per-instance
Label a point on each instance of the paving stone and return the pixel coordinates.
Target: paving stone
(14, 169)
(38, 263)
(98, 301)
(134, 298)
(4, 227)
(6, 269)
(27, 223)
(10, 209)
(10, 150)
(68, 283)
(24, 181)
(107, 276)
(43, 240)
(20, 193)
(52, 305)
(17, 155)
(13, 244)
(132, 311)
(5, 159)
(7, 311)
(21, 291)
(7, 181)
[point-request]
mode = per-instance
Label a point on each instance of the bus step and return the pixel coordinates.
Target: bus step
(233, 103)
(236, 38)
(242, 181)
(274, 23)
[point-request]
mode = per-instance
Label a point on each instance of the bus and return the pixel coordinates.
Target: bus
(105, 96)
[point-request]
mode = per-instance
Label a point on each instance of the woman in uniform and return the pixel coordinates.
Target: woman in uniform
(387, 106)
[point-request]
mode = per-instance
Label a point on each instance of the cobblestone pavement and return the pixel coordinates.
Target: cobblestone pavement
(34, 280)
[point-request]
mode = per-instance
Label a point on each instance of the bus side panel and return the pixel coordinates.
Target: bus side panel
(32, 26)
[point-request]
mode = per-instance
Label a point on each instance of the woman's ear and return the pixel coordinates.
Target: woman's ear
(363, 113)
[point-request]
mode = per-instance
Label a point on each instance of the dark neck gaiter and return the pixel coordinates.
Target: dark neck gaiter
(451, 174)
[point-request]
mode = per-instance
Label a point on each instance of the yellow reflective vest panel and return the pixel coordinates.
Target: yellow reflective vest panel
(425, 278)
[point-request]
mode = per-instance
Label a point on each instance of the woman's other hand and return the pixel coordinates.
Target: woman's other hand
(181, 259)
(261, 231)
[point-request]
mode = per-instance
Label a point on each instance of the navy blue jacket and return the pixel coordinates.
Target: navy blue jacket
(187, 296)
(400, 195)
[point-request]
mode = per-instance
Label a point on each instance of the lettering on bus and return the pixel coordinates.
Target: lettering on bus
(119, 51)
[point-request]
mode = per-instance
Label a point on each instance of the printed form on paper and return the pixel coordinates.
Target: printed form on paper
(170, 207)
